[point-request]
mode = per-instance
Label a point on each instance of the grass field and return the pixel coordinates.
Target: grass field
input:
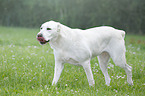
(26, 69)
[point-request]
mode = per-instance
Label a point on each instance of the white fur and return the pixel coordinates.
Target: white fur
(78, 47)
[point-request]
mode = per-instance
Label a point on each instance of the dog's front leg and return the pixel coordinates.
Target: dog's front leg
(57, 71)
(87, 67)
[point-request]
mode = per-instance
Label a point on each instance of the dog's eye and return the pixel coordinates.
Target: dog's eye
(48, 28)
(41, 28)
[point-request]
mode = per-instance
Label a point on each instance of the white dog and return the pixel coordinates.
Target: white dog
(78, 47)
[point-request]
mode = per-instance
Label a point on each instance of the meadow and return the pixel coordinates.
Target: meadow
(27, 68)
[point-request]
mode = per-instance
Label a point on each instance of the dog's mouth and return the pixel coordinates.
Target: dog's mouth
(42, 40)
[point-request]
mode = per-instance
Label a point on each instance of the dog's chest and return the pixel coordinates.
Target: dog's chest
(72, 55)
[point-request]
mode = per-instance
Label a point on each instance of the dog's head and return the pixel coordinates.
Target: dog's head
(48, 32)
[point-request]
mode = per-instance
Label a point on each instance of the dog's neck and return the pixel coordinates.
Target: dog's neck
(62, 38)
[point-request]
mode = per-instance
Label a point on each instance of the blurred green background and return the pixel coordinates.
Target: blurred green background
(128, 15)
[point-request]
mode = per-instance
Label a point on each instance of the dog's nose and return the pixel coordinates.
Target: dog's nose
(39, 35)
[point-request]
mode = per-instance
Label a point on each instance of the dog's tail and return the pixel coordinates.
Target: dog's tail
(122, 33)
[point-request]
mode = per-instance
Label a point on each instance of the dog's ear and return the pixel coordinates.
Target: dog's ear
(58, 27)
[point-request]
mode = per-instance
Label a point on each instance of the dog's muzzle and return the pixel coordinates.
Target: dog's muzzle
(41, 39)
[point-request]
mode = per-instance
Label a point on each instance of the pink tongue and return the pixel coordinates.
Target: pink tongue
(41, 39)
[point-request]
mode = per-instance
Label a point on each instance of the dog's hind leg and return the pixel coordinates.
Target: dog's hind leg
(87, 67)
(120, 61)
(103, 59)
(118, 57)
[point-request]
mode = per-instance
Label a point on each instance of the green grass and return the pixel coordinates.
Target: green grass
(26, 69)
